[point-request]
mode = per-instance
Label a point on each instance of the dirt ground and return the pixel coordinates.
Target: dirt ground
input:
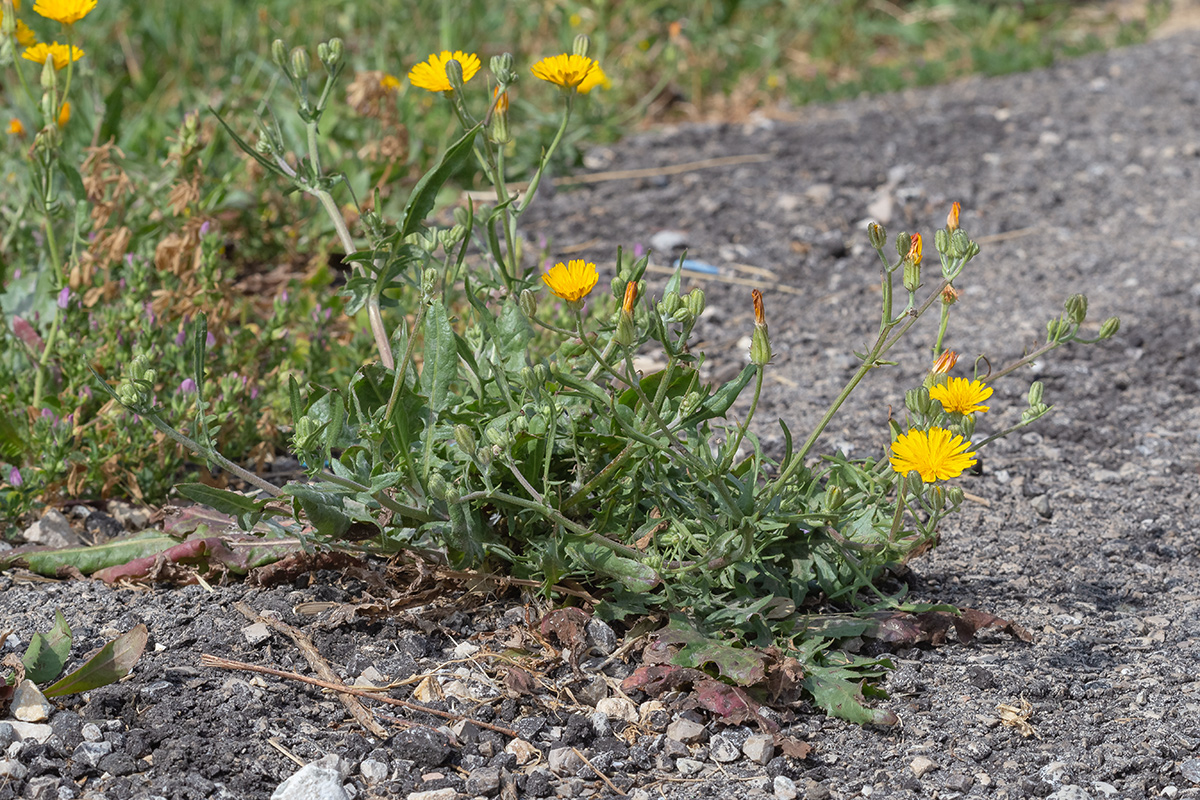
(1082, 178)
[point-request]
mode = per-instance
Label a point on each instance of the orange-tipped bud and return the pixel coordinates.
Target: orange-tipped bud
(952, 217)
(501, 99)
(945, 362)
(950, 295)
(915, 250)
(760, 342)
(760, 314)
(15, 128)
(630, 297)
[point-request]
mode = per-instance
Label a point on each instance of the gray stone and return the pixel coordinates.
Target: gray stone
(90, 753)
(601, 725)
(815, 790)
(256, 634)
(664, 242)
(759, 748)
(688, 767)
(674, 748)
(785, 788)
(483, 781)
(7, 735)
(1070, 792)
(43, 787)
(922, 766)
(312, 782)
(563, 761)
(685, 730)
(1191, 769)
(618, 708)
(723, 749)
(433, 794)
(132, 517)
(373, 771)
(1041, 504)
(601, 636)
(52, 530)
(34, 731)
(91, 732)
(591, 692)
(12, 770)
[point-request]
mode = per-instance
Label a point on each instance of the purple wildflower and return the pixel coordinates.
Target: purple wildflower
(180, 338)
(188, 386)
(211, 341)
(14, 478)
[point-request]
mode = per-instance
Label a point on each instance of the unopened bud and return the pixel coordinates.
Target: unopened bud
(916, 484)
(300, 63)
(1076, 307)
(954, 497)
(499, 131)
(834, 497)
(1053, 328)
(502, 67)
(429, 280)
(331, 53)
(496, 435)
(917, 401)
(760, 341)
(695, 302)
(941, 240)
(528, 303)
(1035, 393)
(937, 498)
(945, 362)
(903, 244)
(279, 54)
(438, 486)
(1110, 327)
(952, 217)
(912, 275)
(581, 45)
(968, 426)
(454, 74)
(465, 439)
(670, 303)
(959, 244)
(877, 234)
(449, 237)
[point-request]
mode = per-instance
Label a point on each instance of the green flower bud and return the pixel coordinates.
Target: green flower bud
(128, 395)
(429, 280)
(484, 457)
(464, 437)
(941, 240)
(439, 487)
(528, 303)
(331, 53)
(916, 484)
(918, 401)
(300, 63)
(625, 333)
(690, 402)
(760, 346)
(521, 424)
(971, 251)
(670, 303)
(581, 45)
(937, 498)
(878, 236)
(954, 497)
(279, 54)
(454, 75)
(834, 497)
(449, 237)
(912, 275)
(499, 131)
(496, 435)
(1035, 393)
(968, 426)
(695, 302)
(1076, 307)
(903, 244)
(573, 348)
(959, 244)
(503, 70)
(1110, 327)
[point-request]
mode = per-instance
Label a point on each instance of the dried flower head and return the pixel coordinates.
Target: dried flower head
(567, 71)
(915, 250)
(959, 395)
(68, 12)
(431, 73)
(934, 454)
(945, 362)
(950, 295)
(572, 281)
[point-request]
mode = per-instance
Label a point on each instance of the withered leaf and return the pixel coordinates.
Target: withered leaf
(793, 747)
(520, 681)
(659, 678)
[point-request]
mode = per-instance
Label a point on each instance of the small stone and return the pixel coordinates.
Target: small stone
(484, 781)
(102, 527)
(1191, 769)
(1041, 504)
(1070, 792)
(134, 518)
(759, 748)
(688, 767)
(814, 790)
(373, 771)
(601, 637)
(618, 708)
(591, 692)
(959, 782)
(12, 770)
(922, 766)
(465, 731)
(1170, 792)
(673, 748)
(1106, 789)
(7, 735)
(426, 747)
(785, 788)
(31, 731)
(256, 634)
(91, 732)
(523, 750)
(44, 787)
(664, 242)
(90, 753)
(723, 750)
(601, 725)
(685, 730)
(465, 649)
(564, 761)
(52, 530)
(432, 794)
(29, 704)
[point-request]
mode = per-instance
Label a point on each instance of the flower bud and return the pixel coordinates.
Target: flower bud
(465, 439)
(903, 244)
(834, 497)
(528, 303)
(945, 362)
(690, 402)
(952, 217)
(971, 251)
(279, 54)
(878, 235)
(300, 63)
(937, 498)
(429, 280)
(581, 45)
(950, 296)
(438, 486)
(918, 401)
(912, 275)
(1035, 393)
(959, 244)
(496, 435)
(695, 302)
(454, 74)
(670, 303)
(954, 497)
(760, 342)
(1076, 307)
(1110, 327)
(968, 426)
(331, 53)
(484, 457)
(1054, 328)
(941, 241)
(916, 484)
(449, 237)
(503, 70)
(49, 77)
(499, 131)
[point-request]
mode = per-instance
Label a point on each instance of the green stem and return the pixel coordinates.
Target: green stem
(408, 512)
(211, 454)
(39, 380)
(600, 478)
(537, 176)
(727, 462)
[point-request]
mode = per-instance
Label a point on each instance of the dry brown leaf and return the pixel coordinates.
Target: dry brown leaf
(1014, 717)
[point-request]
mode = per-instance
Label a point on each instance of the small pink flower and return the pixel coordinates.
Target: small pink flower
(211, 341)
(64, 297)
(188, 386)
(638, 250)
(180, 338)
(15, 479)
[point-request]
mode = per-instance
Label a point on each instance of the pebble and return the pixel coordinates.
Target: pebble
(601, 725)
(31, 731)
(46, 787)
(52, 530)
(785, 788)
(685, 730)
(134, 518)
(373, 771)
(91, 732)
(91, 752)
(523, 750)
(483, 781)
(814, 790)
(618, 708)
(29, 704)
(432, 794)
(759, 748)
(601, 637)
(7, 735)
(1070, 792)
(564, 761)
(922, 766)
(664, 242)
(688, 767)
(12, 770)
(1041, 504)
(256, 634)
(722, 749)
(1191, 769)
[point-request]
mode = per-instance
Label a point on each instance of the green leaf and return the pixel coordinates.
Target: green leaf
(113, 662)
(269, 166)
(47, 652)
(114, 110)
(74, 181)
(633, 575)
(722, 400)
(424, 194)
(744, 666)
(839, 691)
(12, 446)
(246, 510)
(441, 357)
(515, 335)
(88, 559)
(325, 509)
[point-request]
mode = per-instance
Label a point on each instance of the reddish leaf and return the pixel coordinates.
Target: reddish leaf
(745, 666)
(659, 678)
(793, 747)
(520, 682)
(978, 620)
(732, 704)
(28, 335)
(569, 626)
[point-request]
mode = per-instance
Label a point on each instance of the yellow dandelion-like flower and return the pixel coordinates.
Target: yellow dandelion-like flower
(389, 83)
(15, 128)
(431, 73)
(24, 35)
(567, 71)
(572, 281)
(934, 454)
(67, 12)
(961, 395)
(60, 53)
(595, 78)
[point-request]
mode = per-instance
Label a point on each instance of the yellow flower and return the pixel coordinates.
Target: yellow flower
(65, 11)
(389, 83)
(595, 78)
(568, 71)
(24, 36)
(59, 52)
(431, 74)
(935, 454)
(915, 250)
(15, 128)
(961, 395)
(64, 115)
(572, 281)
